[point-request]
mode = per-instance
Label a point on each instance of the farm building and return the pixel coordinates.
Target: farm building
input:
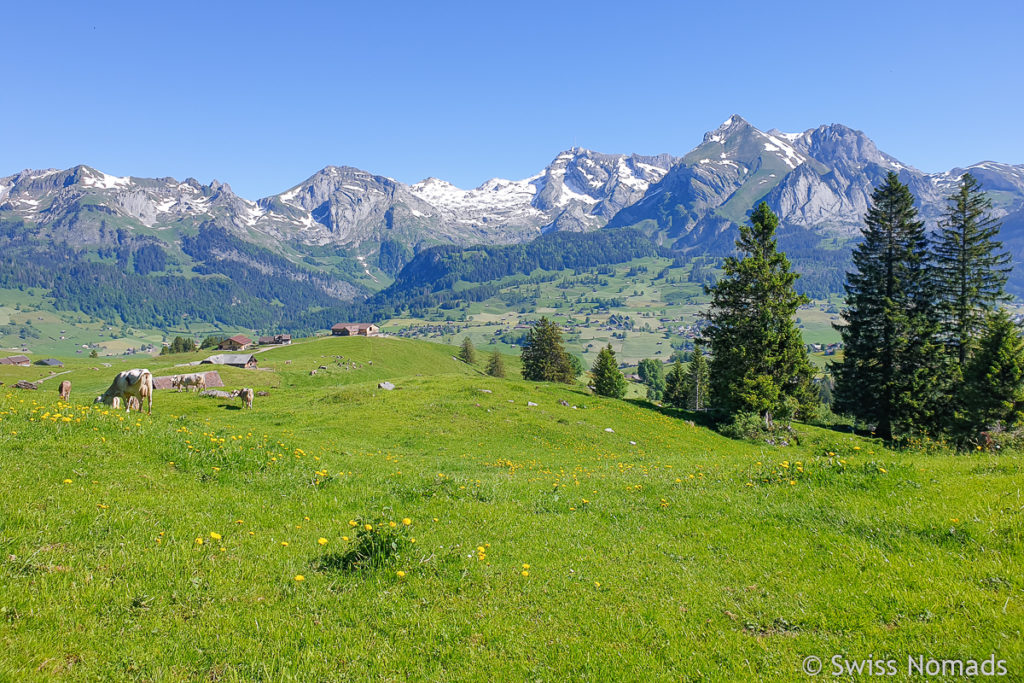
(355, 329)
(238, 360)
(276, 339)
(51, 362)
(23, 361)
(237, 343)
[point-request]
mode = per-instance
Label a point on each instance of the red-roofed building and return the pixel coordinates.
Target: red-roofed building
(237, 343)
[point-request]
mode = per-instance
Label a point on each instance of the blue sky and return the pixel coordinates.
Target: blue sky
(262, 95)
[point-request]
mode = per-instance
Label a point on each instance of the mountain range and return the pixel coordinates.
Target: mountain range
(352, 231)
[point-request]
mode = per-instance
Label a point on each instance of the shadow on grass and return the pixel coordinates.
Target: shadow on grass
(228, 406)
(700, 418)
(705, 419)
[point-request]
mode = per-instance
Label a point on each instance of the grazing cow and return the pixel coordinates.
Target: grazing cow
(197, 380)
(246, 396)
(133, 404)
(137, 383)
(64, 389)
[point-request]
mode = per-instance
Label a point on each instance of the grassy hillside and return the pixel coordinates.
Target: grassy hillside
(598, 540)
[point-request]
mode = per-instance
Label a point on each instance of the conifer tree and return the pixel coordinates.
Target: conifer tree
(758, 360)
(970, 267)
(892, 373)
(544, 357)
(675, 387)
(467, 352)
(994, 377)
(608, 379)
(496, 365)
(696, 382)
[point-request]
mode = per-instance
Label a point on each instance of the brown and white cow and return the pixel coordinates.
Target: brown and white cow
(246, 395)
(137, 382)
(64, 389)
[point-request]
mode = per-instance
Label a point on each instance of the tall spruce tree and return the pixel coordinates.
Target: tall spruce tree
(467, 352)
(496, 365)
(675, 387)
(695, 384)
(758, 360)
(544, 357)
(608, 379)
(892, 372)
(994, 377)
(971, 268)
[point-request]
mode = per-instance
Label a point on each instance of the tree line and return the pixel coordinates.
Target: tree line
(929, 349)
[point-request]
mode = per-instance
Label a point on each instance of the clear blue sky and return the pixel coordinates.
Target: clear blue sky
(262, 95)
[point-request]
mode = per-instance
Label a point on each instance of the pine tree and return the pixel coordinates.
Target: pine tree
(467, 352)
(652, 374)
(698, 376)
(994, 377)
(496, 365)
(970, 267)
(758, 360)
(544, 357)
(608, 379)
(892, 373)
(675, 387)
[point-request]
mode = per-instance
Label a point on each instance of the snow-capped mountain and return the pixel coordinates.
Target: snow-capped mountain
(819, 180)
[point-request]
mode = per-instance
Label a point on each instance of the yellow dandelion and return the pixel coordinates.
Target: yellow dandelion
(400, 574)
(369, 527)
(525, 573)
(392, 525)
(352, 522)
(597, 584)
(526, 566)
(412, 540)
(199, 541)
(239, 521)
(67, 481)
(344, 538)
(407, 521)
(300, 577)
(284, 543)
(322, 541)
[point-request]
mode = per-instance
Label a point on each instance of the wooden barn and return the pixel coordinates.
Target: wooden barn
(23, 361)
(237, 343)
(237, 360)
(355, 329)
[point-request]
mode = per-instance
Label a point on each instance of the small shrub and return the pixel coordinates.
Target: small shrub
(751, 427)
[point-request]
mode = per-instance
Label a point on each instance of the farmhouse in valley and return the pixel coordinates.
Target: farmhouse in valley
(355, 329)
(16, 360)
(237, 343)
(238, 360)
(281, 339)
(50, 362)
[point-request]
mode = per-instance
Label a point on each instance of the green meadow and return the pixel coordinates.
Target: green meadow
(518, 531)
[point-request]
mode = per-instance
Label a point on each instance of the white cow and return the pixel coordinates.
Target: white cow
(137, 383)
(197, 380)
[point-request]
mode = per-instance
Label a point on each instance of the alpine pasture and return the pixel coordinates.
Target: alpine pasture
(579, 538)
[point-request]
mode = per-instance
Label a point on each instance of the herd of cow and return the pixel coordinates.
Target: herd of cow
(132, 388)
